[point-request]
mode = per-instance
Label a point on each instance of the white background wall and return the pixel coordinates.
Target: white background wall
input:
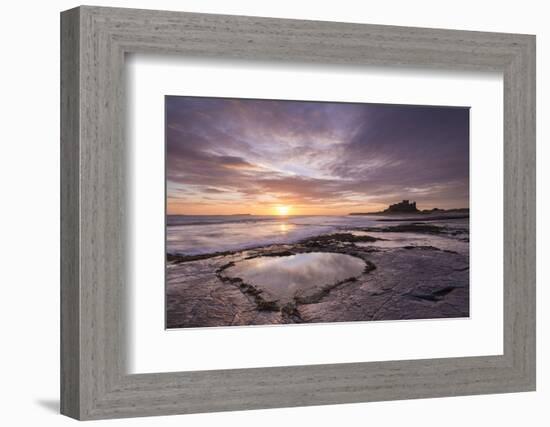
(29, 233)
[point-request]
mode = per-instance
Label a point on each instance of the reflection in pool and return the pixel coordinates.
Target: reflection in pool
(288, 276)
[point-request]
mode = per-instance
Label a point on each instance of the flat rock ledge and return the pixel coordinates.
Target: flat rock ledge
(398, 283)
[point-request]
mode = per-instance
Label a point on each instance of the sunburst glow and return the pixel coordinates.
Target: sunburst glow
(282, 210)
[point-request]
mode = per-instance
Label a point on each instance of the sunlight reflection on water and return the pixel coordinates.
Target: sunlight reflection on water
(192, 235)
(287, 276)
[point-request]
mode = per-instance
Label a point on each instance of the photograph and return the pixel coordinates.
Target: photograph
(292, 212)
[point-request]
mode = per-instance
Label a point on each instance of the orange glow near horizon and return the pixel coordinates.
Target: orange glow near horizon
(282, 209)
(179, 207)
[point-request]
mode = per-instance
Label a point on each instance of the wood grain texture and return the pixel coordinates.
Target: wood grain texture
(94, 272)
(70, 314)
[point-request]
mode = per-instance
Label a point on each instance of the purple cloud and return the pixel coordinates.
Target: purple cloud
(318, 156)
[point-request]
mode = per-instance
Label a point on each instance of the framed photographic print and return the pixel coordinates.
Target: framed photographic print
(347, 212)
(266, 196)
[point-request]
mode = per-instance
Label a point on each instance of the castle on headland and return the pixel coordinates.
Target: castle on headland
(405, 206)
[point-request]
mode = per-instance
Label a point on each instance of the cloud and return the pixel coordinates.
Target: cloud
(320, 156)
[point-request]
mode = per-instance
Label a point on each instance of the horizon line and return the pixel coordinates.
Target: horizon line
(283, 216)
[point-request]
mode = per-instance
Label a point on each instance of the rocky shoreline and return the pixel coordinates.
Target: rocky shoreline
(412, 270)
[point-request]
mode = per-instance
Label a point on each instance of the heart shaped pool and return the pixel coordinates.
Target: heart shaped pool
(285, 277)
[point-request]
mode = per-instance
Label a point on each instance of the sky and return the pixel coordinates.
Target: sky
(268, 157)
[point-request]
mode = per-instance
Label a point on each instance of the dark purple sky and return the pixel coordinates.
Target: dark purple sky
(227, 156)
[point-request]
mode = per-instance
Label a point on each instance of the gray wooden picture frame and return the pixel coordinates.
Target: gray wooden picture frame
(94, 382)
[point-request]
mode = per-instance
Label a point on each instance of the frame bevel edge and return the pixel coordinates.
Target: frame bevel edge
(70, 390)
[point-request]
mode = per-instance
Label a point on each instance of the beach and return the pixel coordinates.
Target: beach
(239, 270)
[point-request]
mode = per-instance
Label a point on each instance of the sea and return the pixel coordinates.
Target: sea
(203, 234)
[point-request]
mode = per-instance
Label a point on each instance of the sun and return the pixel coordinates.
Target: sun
(282, 210)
